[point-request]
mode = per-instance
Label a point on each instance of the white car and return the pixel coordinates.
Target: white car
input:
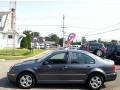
(76, 47)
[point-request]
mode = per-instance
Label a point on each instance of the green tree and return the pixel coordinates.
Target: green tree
(114, 41)
(61, 42)
(99, 40)
(83, 40)
(52, 37)
(47, 38)
(35, 34)
(26, 41)
(55, 38)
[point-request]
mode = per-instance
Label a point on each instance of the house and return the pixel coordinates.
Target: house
(9, 37)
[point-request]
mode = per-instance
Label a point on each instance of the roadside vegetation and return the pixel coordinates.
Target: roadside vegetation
(18, 53)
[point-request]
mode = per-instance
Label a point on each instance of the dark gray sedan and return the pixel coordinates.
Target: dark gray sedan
(64, 66)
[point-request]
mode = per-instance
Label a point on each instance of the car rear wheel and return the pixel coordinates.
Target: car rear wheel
(95, 82)
(25, 80)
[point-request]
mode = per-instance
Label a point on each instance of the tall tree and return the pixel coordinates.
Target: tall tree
(52, 37)
(35, 34)
(26, 41)
(55, 38)
(83, 40)
(47, 38)
(61, 42)
(99, 40)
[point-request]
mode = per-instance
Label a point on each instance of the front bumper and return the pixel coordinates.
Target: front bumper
(11, 77)
(111, 76)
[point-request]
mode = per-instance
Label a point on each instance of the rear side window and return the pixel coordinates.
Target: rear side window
(80, 58)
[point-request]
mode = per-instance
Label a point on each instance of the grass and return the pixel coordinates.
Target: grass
(19, 53)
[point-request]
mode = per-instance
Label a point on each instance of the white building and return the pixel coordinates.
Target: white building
(9, 38)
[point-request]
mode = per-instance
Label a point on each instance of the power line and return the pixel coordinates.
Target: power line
(80, 27)
(103, 32)
(95, 28)
(39, 25)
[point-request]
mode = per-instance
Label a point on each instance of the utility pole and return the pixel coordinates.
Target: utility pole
(63, 31)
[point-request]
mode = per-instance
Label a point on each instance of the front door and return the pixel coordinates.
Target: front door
(56, 67)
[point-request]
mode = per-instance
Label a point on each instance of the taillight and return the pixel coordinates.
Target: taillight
(113, 68)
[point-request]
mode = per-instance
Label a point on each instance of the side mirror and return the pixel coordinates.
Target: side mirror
(45, 63)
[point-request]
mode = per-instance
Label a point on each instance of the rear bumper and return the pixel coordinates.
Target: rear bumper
(111, 76)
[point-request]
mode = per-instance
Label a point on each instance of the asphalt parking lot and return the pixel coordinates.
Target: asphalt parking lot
(6, 85)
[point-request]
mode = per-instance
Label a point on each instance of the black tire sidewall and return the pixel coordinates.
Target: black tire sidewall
(89, 79)
(18, 81)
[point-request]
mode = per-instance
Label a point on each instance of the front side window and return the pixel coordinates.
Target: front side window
(57, 59)
(80, 58)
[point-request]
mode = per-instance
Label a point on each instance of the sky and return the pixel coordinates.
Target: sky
(90, 18)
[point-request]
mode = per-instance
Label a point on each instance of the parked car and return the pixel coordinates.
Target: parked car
(113, 52)
(76, 47)
(64, 66)
(95, 48)
(44, 46)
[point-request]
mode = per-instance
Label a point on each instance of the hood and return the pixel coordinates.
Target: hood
(28, 62)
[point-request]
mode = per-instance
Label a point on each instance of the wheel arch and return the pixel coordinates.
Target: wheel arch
(27, 71)
(98, 73)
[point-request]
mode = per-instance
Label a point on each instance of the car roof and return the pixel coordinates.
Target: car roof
(71, 50)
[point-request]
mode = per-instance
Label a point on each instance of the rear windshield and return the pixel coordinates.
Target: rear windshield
(94, 56)
(95, 46)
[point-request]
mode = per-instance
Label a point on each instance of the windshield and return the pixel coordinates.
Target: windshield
(44, 56)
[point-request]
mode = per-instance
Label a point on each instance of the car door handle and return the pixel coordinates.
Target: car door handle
(49, 66)
(65, 67)
(88, 66)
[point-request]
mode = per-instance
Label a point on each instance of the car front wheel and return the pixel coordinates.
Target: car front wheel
(95, 82)
(25, 80)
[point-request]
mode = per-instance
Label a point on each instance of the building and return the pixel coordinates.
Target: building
(9, 37)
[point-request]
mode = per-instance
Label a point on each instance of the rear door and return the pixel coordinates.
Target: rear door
(80, 65)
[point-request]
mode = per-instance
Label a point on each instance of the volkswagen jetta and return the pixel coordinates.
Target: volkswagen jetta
(64, 66)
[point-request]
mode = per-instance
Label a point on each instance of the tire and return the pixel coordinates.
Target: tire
(25, 80)
(95, 82)
(99, 53)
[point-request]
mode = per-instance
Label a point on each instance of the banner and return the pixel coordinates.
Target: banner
(71, 37)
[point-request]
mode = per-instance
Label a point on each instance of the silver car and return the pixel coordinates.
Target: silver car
(64, 66)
